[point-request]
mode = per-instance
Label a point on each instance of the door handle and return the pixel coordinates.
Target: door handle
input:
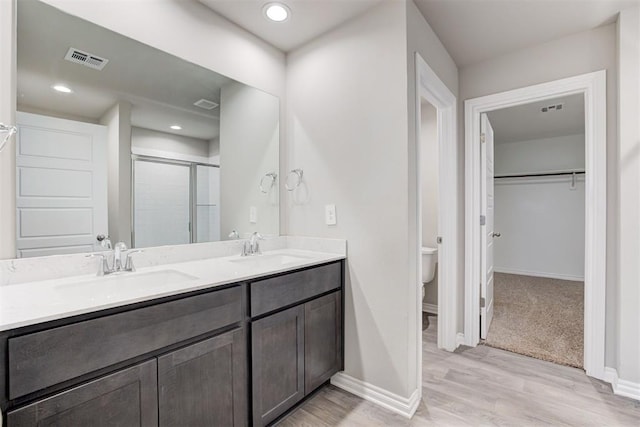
(496, 234)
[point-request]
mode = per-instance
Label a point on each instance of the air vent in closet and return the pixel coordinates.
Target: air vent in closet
(87, 59)
(205, 104)
(550, 108)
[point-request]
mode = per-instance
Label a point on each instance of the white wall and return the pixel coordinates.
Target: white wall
(628, 208)
(350, 101)
(347, 121)
(541, 220)
(538, 155)
(118, 122)
(169, 146)
(579, 53)
(249, 133)
(214, 150)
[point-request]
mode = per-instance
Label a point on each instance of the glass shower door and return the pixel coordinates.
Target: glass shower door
(162, 203)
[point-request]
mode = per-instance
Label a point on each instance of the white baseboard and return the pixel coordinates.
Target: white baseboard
(459, 339)
(381, 397)
(430, 308)
(539, 274)
(621, 387)
(610, 375)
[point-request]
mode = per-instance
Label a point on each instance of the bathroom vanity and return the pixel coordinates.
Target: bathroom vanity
(227, 354)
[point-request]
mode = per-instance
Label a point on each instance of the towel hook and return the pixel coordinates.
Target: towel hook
(295, 172)
(10, 130)
(270, 175)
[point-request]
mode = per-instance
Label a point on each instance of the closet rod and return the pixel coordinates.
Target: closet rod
(540, 174)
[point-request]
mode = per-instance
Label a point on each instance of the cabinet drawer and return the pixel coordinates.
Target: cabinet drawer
(45, 358)
(271, 294)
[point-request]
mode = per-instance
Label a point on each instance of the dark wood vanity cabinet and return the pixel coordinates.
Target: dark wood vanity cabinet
(203, 384)
(297, 349)
(179, 362)
(239, 355)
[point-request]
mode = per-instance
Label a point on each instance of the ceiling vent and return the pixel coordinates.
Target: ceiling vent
(205, 104)
(87, 59)
(550, 108)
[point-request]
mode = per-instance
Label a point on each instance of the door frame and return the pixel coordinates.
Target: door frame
(593, 88)
(430, 87)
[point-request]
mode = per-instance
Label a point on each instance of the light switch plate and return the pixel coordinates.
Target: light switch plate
(330, 215)
(253, 215)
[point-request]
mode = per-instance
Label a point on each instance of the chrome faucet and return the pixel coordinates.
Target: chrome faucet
(119, 250)
(252, 246)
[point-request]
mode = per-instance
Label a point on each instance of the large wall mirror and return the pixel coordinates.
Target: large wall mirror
(120, 139)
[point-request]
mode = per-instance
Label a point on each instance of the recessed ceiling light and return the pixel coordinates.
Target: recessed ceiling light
(276, 12)
(175, 127)
(62, 89)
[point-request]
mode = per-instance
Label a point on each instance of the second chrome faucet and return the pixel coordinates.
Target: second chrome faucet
(252, 246)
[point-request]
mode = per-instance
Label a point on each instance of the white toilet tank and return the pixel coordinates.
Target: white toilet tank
(429, 260)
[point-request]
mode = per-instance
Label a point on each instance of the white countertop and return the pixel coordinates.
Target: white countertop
(35, 302)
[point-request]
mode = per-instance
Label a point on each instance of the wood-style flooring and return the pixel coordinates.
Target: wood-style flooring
(481, 386)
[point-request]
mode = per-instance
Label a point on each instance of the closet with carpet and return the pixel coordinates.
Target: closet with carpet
(539, 251)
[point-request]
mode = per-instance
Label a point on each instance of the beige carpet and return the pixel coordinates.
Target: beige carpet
(538, 317)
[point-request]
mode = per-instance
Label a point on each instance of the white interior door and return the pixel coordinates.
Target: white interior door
(487, 232)
(61, 185)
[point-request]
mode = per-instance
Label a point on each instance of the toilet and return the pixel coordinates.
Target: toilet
(429, 260)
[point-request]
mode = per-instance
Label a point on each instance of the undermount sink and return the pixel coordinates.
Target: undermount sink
(266, 261)
(120, 281)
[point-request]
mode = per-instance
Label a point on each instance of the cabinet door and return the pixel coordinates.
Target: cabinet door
(277, 363)
(205, 384)
(124, 398)
(322, 340)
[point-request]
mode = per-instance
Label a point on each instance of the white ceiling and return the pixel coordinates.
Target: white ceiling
(526, 122)
(471, 30)
(475, 30)
(161, 87)
(309, 18)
